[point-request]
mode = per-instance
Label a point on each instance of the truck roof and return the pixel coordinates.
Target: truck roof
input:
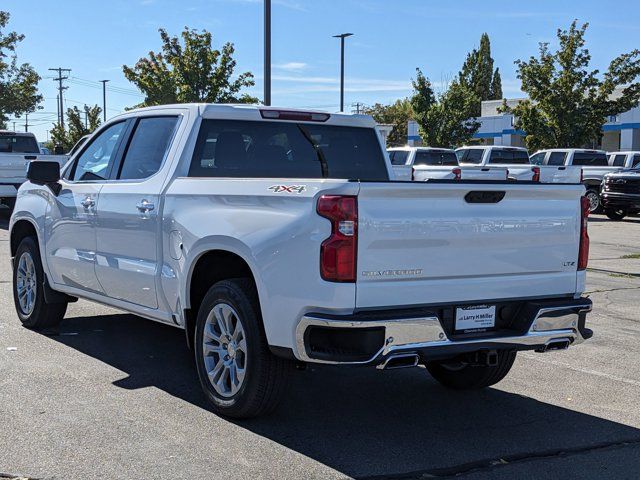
(566, 150)
(17, 134)
(492, 147)
(242, 111)
(628, 152)
(420, 149)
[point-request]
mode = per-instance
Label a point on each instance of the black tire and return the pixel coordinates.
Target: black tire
(467, 377)
(266, 376)
(10, 203)
(595, 204)
(43, 314)
(615, 214)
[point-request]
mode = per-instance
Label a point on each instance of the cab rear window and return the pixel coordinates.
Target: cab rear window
(249, 149)
(435, 157)
(18, 144)
(506, 157)
(589, 159)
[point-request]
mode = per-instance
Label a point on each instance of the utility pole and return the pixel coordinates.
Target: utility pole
(267, 52)
(104, 99)
(358, 106)
(14, 126)
(47, 135)
(342, 36)
(60, 89)
(86, 117)
(26, 122)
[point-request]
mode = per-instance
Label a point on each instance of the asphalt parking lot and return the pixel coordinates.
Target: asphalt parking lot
(114, 396)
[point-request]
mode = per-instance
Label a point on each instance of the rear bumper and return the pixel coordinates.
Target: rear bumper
(627, 201)
(373, 337)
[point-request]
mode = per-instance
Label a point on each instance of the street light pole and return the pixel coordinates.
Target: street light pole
(342, 36)
(267, 52)
(104, 99)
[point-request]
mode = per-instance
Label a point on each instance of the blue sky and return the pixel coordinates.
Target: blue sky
(392, 38)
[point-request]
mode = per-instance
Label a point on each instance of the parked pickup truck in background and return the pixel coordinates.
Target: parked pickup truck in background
(620, 195)
(17, 149)
(427, 163)
(625, 160)
(594, 165)
(273, 236)
(515, 159)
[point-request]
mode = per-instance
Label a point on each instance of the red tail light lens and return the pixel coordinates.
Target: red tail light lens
(457, 172)
(536, 174)
(338, 252)
(583, 255)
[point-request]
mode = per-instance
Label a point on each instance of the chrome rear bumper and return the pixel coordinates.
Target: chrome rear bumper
(426, 336)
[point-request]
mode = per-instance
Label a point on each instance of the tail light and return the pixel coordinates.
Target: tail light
(457, 173)
(413, 174)
(583, 254)
(536, 174)
(581, 175)
(338, 252)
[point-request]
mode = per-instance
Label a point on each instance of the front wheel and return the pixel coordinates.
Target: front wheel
(594, 200)
(463, 376)
(615, 214)
(28, 289)
(240, 377)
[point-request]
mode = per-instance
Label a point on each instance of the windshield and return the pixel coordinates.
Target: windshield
(18, 144)
(435, 157)
(275, 149)
(506, 157)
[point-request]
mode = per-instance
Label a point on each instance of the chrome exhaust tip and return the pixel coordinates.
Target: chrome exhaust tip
(556, 344)
(401, 360)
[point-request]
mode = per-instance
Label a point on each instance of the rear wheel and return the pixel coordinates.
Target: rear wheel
(240, 377)
(28, 289)
(615, 214)
(463, 376)
(594, 200)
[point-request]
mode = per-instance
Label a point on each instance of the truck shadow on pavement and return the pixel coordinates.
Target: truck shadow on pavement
(362, 422)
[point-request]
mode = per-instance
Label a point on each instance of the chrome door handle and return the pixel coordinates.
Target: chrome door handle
(88, 202)
(145, 206)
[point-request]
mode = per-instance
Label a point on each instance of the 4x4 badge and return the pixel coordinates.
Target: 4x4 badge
(288, 188)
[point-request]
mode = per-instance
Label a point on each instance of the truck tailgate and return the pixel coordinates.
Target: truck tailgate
(428, 243)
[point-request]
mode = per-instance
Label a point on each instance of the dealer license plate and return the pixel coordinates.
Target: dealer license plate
(477, 317)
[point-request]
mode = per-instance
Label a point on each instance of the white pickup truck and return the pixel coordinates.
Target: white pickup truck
(427, 163)
(625, 160)
(273, 236)
(17, 149)
(594, 165)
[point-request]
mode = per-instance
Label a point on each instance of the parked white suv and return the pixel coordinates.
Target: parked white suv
(272, 236)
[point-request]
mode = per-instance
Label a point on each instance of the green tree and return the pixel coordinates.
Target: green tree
(79, 123)
(568, 102)
(478, 74)
(445, 120)
(18, 82)
(193, 72)
(397, 114)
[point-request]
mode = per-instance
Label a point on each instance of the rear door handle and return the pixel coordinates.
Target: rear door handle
(145, 206)
(88, 202)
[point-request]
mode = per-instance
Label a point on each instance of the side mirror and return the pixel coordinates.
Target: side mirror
(42, 172)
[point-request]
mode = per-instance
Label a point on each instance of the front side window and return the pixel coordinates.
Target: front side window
(147, 147)
(96, 160)
(250, 149)
(398, 157)
(556, 158)
(508, 157)
(436, 157)
(590, 159)
(619, 160)
(470, 155)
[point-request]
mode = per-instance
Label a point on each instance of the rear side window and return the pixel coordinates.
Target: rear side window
(470, 155)
(506, 157)
(556, 158)
(248, 149)
(398, 157)
(435, 157)
(147, 147)
(18, 144)
(618, 160)
(588, 159)
(636, 161)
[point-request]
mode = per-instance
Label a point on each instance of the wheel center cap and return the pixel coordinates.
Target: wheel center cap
(231, 350)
